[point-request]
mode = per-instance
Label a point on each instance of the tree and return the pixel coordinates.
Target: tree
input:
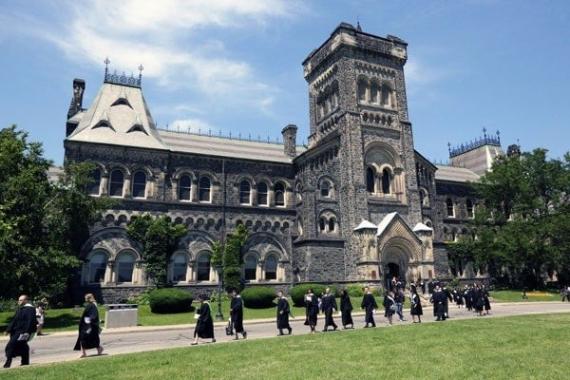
(42, 225)
(230, 256)
(159, 238)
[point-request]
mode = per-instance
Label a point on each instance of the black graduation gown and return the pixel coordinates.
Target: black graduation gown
(328, 306)
(468, 299)
(478, 300)
(311, 310)
(283, 311)
(486, 300)
(439, 304)
(388, 303)
(236, 313)
(205, 324)
(416, 305)
(369, 304)
(24, 322)
(346, 310)
(88, 332)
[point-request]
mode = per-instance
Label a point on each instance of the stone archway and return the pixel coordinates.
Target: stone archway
(395, 263)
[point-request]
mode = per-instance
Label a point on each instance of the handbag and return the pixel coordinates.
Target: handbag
(230, 327)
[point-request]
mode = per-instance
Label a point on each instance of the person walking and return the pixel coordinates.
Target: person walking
(236, 314)
(311, 310)
(389, 306)
(40, 316)
(205, 324)
(329, 306)
(415, 305)
(346, 310)
(369, 305)
(89, 330)
(21, 330)
(438, 299)
(283, 312)
(399, 298)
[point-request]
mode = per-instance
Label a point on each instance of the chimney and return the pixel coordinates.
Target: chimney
(290, 140)
(76, 104)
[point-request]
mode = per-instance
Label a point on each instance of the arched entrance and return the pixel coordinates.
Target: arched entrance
(395, 262)
(392, 272)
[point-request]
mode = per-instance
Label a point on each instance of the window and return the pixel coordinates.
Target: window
(450, 208)
(469, 204)
(422, 197)
(325, 189)
(370, 180)
(271, 267)
(374, 93)
(386, 94)
(179, 267)
(121, 101)
(322, 224)
(95, 185)
(250, 268)
(332, 222)
(205, 193)
(184, 188)
(362, 91)
(125, 267)
(139, 185)
(279, 195)
(386, 181)
(97, 267)
(244, 193)
(203, 267)
(262, 194)
(116, 183)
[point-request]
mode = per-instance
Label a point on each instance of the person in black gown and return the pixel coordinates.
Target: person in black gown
(329, 306)
(283, 312)
(236, 314)
(438, 299)
(311, 310)
(346, 310)
(486, 301)
(89, 328)
(478, 300)
(21, 330)
(415, 305)
(205, 324)
(369, 305)
(389, 306)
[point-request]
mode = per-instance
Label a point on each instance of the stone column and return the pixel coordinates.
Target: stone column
(110, 272)
(104, 189)
(127, 187)
(192, 268)
(260, 270)
(194, 191)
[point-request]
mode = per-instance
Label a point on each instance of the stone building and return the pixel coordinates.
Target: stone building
(357, 204)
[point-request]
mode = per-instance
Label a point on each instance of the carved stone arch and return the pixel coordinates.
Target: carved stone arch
(195, 242)
(149, 173)
(246, 177)
(132, 251)
(110, 239)
(210, 174)
(381, 152)
(182, 171)
(266, 179)
(263, 243)
(102, 167)
(126, 171)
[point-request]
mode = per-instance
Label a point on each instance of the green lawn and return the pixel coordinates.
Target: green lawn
(68, 319)
(523, 347)
(516, 296)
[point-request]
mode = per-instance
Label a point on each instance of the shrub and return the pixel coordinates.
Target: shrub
(355, 290)
(298, 292)
(258, 297)
(169, 300)
(232, 278)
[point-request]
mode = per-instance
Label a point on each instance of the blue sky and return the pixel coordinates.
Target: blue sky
(236, 65)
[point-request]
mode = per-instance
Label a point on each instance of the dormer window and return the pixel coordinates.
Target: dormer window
(122, 101)
(103, 124)
(137, 128)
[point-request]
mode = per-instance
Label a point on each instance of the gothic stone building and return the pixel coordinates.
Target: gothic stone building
(358, 204)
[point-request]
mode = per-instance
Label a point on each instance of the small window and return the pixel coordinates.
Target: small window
(137, 128)
(374, 93)
(271, 268)
(279, 195)
(332, 224)
(103, 124)
(184, 188)
(203, 267)
(244, 193)
(95, 185)
(370, 180)
(469, 204)
(125, 267)
(179, 266)
(205, 192)
(386, 95)
(262, 194)
(97, 267)
(250, 268)
(362, 91)
(450, 208)
(122, 101)
(116, 183)
(386, 179)
(139, 185)
(325, 189)
(322, 224)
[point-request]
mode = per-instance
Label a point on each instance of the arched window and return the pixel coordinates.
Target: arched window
(244, 193)
(332, 224)
(271, 267)
(325, 189)
(362, 91)
(386, 179)
(422, 197)
(386, 95)
(262, 194)
(97, 267)
(374, 93)
(95, 185)
(139, 185)
(322, 224)
(125, 265)
(185, 188)
(250, 268)
(469, 205)
(203, 267)
(299, 193)
(205, 190)
(450, 208)
(179, 266)
(279, 194)
(453, 234)
(370, 180)
(116, 183)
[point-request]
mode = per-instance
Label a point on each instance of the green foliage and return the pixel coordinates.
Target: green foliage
(141, 299)
(159, 237)
(298, 292)
(170, 300)
(42, 225)
(357, 290)
(232, 258)
(258, 297)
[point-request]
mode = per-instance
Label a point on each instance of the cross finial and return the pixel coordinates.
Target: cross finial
(141, 68)
(106, 62)
(358, 24)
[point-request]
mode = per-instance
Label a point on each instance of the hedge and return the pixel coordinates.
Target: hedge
(357, 290)
(169, 300)
(298, 292)
(258, 297)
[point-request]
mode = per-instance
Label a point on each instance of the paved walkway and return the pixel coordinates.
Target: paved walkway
(58, 347)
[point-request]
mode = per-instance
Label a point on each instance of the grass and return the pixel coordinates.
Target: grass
(522, 347)
(516, 296)
(68, 319)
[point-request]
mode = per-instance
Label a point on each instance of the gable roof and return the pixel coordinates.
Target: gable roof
(455, 174)
(365, 225)
(389, 220)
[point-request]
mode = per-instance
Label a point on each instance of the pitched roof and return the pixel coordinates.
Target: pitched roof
(365, 225)
(420, 227)
(455, 174)
(385, 223)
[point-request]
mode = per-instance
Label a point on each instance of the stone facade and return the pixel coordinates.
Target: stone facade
(359, 204)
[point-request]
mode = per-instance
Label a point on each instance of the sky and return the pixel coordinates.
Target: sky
(235, 66)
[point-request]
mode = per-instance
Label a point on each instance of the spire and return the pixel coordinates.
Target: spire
(358, 28)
